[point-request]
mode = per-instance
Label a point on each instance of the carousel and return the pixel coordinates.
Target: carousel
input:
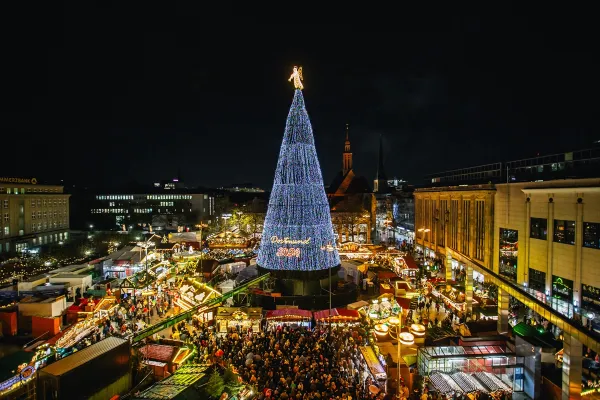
(242, 318)
(338, 317)
(293, 317)
(228, 240)
(384, 307)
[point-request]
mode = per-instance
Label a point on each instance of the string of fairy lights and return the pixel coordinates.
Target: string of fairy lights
(297, 233)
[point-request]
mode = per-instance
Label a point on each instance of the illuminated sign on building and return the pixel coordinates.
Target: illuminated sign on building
(29, 181)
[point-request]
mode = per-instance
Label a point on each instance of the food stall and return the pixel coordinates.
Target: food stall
(407, 268)
(337, 317)
(451, 296)
(288, 316)
(243, 317)
(374, 367)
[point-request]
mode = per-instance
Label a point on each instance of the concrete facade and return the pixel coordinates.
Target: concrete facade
(440, 222)
(31, 215)
(567, 200)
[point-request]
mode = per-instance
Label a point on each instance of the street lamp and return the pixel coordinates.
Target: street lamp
(239, 214)
(402, 338)
(424, 230)
(329, 248)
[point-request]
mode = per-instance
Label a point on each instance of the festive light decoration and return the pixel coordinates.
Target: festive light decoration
(297, 233)
(297, 78)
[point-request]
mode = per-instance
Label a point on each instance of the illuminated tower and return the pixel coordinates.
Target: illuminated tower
(297, 234)
(347, 161)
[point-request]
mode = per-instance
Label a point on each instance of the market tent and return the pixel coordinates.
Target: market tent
(246, 273)
(410, 262)
(288, 313)
(337, 314)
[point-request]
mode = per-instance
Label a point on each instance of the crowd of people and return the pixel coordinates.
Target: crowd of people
(292, 363)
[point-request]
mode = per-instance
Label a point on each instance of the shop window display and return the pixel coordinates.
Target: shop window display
(509, 251)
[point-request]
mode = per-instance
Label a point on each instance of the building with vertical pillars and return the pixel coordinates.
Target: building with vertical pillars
(532, 228)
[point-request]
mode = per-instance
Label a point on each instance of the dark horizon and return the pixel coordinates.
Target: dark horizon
(138, 102)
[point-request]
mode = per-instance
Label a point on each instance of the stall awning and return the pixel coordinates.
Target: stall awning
(410, 262)
(337, 314)
(357, 305)
(289, 313)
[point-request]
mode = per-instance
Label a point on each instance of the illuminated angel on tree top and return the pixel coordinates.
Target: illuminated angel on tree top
(297, 78)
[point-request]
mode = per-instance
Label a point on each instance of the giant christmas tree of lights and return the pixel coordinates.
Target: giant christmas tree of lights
(297, 234)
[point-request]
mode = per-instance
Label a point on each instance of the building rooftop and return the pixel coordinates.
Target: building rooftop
(35, 278)
(81, 357)
(67, 275)
(570, 165)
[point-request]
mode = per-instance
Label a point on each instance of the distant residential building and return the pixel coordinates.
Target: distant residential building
(242, 187)
(31, 214)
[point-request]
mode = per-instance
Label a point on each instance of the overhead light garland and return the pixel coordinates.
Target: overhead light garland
(297, 233)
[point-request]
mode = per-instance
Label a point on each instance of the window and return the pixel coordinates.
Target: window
(32, 202)
(6, 217)
(33, 215)
(509, 252)
(6, 231)
(564, 231)
(5, 203)
(537, 280)
(538, 228)
(39, 202)
(591, 235)
(479, 230)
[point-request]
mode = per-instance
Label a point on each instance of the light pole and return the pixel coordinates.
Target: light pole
(329, 248)
(201, 225)
(239, 214)
(402, 338)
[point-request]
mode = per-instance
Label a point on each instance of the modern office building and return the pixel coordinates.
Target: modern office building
(162, 209)
(31, 214)
(532, 228)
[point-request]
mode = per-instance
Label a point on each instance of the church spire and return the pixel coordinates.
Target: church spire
(347, 156)
(380, 180)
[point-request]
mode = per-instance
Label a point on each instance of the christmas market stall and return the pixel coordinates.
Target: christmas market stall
(288, 316)
(452, 297)
(337, 317)
(192, 292)
(470, 369)
(243, 318)
(407, 268)
(374, 368)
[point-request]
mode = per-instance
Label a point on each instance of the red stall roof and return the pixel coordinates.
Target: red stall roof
(337, 313)
(410, 262)
(290, 313)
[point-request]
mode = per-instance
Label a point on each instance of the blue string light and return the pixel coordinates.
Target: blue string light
(297, 234)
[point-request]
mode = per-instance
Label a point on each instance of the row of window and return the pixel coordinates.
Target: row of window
(42, 226)
(148, 197)
(50, 214)
(48, 202)
(564, 232)
(8, 190)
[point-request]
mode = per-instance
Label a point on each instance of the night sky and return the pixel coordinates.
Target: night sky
(101, 96)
